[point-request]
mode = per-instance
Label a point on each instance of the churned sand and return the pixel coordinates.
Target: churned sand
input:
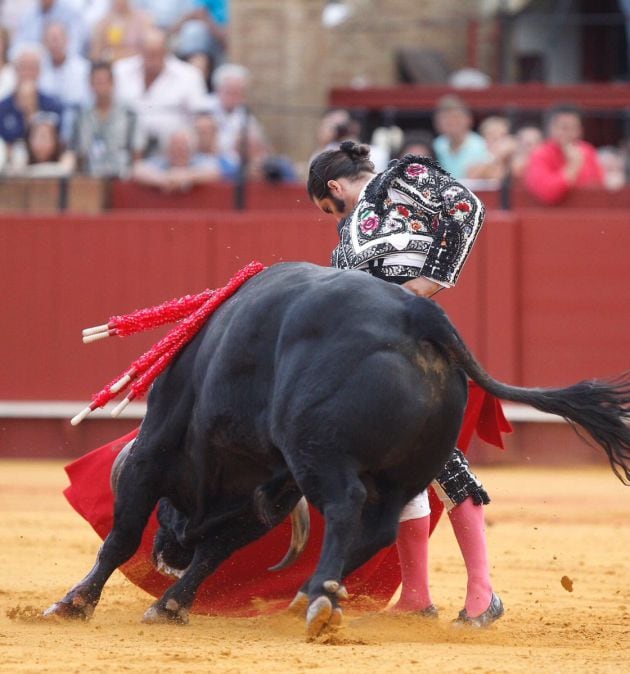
(560, 547)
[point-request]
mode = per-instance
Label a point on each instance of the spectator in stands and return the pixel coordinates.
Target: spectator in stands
(203, 63)
(107, 136)
(501, 144)
(240, 136)
(7, 71)
(11, 13)
(203, 30)
(162, 90)
(44, 156)
(33, 22)
(612, 161)
(527, 138)
(17, 109)
(563, 161)
(458, 147)
(180, 167)
(165, 13)
(337, 125)
(120, 32)
(334, 127)
(228, 104)
(264, 164)
(206, 128)
(64, 76)
(419, 142)
(92, 11)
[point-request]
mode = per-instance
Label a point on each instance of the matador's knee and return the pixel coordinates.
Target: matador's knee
(457, 482)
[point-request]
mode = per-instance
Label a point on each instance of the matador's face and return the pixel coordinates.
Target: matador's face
(332, 205)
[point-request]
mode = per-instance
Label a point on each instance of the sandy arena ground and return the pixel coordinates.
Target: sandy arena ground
(543, 525)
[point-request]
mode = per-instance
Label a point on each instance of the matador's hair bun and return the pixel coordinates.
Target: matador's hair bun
(356, 151)
(351, 160)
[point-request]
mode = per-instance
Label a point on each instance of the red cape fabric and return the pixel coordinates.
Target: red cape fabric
(242, 585)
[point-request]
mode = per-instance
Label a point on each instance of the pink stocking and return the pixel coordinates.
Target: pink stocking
(413, 552)
(469, 527)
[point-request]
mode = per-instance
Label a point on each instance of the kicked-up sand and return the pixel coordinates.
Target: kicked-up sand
(559, 540)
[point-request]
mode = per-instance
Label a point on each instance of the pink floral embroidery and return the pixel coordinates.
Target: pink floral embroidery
(370, 223)
(416, 170)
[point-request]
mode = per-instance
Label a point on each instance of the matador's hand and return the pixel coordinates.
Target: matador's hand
(422, 286)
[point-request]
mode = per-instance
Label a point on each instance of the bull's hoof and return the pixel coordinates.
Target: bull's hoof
(75, 609)
(321, 616)
(170, 612)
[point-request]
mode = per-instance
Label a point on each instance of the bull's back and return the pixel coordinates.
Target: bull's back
(300, 346)
(324, 309)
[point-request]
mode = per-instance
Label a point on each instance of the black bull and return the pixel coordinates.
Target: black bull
(311, 381)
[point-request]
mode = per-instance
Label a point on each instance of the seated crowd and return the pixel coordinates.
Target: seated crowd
(141, 89)
(127, 88)
(548, 160)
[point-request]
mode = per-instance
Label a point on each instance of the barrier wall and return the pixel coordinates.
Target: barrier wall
(85, 195)
(544, 300)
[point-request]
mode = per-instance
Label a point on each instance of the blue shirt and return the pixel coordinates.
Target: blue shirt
(12, 123)
(218, 10)
(472, 151)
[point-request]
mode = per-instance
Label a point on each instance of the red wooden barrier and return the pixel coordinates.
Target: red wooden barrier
(72, 272)
(587, 198)
(258, 196)
(544, 299)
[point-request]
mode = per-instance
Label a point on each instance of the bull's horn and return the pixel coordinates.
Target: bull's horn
(300, 529)
(117, 466)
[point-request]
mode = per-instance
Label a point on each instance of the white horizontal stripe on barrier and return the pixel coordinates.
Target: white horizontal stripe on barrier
(54, 409)
(66, 409)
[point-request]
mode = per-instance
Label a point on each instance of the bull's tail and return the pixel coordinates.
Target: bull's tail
(601, 407)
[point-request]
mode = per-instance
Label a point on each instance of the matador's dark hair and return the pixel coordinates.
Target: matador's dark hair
(350, 161)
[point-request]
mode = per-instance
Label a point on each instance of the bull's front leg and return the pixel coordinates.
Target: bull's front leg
(175, 604)
(135, 500)
(224, 538)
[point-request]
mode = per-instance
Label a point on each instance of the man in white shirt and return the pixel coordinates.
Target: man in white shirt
(228, 104)
(164, 91)
(33, 21)
(64, 75)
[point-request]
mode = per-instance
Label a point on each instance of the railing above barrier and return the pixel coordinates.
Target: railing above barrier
(81, 194)
(610, 97)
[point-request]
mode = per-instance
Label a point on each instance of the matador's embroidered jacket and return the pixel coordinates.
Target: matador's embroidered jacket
(413, 207)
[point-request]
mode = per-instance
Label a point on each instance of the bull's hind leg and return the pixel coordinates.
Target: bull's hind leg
(137, 494)
(339, 495)
(377, 530)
